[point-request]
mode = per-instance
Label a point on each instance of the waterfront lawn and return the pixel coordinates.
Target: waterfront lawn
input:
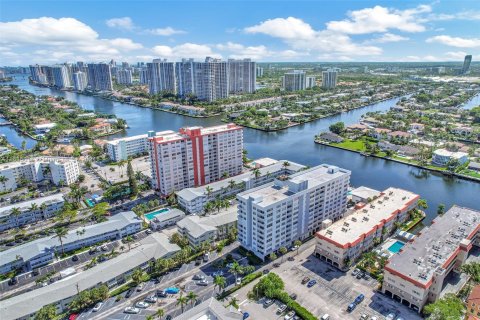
(470, 173)
(354, 145)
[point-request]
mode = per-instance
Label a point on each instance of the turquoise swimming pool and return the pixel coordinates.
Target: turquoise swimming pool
(395, 248)
(153, 214)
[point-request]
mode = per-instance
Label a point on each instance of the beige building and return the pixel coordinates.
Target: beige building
(344, 241)
(415, 276)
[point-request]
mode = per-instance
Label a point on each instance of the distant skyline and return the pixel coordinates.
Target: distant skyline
(51, 32)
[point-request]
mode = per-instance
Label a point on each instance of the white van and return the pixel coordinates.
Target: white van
(325, 317)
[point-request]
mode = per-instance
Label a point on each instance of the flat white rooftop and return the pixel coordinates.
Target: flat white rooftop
(371, 217)
(140, 136)
(35, 160)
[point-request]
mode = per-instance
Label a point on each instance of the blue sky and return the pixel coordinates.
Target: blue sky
(60, 31)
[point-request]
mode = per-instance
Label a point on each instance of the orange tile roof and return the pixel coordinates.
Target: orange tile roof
(474, 294)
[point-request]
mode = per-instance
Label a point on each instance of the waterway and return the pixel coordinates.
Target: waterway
(296, 144)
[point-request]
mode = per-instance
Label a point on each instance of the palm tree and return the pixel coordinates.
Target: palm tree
(235, 270)
(233, 302)
(60, 233)
(285, 164)
(182, 301)
(208, 191)
(231, 184)
(225, 175)
(256, 172)
(33, 207)
(137, 275)
(192, 298)
(15, 213)
(297, 243)
(159, 313)
(219, 282)
(3, 180)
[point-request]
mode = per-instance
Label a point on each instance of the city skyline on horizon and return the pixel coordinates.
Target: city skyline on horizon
(357, 31)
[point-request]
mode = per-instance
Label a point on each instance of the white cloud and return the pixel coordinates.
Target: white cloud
(388, 37)
(168, 31)
(125, 23)
(186, 50)
(289, 28)
(239, 51)
(380, 19)
(301, 37)
(455, 41)
(455, 55)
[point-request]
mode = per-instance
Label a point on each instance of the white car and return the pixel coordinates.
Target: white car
(141, 304)
(131, 310)
(239, 281)
(390, 316)
(289, 315)
(151, 299)
(97, 307)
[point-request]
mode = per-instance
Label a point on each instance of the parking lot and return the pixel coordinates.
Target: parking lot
(331, 295)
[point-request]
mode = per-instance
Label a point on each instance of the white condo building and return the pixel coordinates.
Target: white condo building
(80, 81)
(311, 82)
(195, 156)
(123, 148)
(143, 76)
(161, 76)
(242, 76)
(124, 76)
(60, 76)
(276, 214)
(56, 169)
(100, 76)
(294, 80)
(329, 79)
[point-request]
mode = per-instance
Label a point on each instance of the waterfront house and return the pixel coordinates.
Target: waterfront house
(442, 157)
(330, 137)
(399, 135)
(379, 133)
(475, 166)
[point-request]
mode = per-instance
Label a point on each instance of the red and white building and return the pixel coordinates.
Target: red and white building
(195, 156)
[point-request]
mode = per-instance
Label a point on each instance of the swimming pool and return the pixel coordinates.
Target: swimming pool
(151, 215)
(395, 247)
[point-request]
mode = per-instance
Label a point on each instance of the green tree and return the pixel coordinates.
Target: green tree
(182, 301)
(60, 234)
(441, 208)
(473, 270)
(272, 256)
(285, 164)
(337, 127)
(446, 308)
(159, 313)
(47, 312)
(99, 211)
(256, 173)
(137, 275)
(192, 297)
(208, 191)
(3, 181)
(422, 204)
(235, 269)
(219, 282)
(297, 243)
(283, 251)
(132, 181)
(233, 302)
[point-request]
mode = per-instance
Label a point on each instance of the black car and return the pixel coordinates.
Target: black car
(35, 272)
(266, 271)
(293, 296)
(198, 262)
(75, 258)
(13, 281)
(161, 294)
(291, 258)
(129, 293)
(156, 281)
(169, 317)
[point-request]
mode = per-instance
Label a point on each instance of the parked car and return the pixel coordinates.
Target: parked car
(364, 317)
(359, 298)
(205, 257)
(351, 307)
(151, 299)
(104, 248)
(161, 293)
(198, 261)
(268, 302)
(35, 272)
(265, 271)
(74, 257)
(289, 315)
(290, 258)
(355, 272)
(148, 231)
(276, 265)
(141, 304)
(360, 275)
(131, 310)
(97, 306)
(366, 276)
(140, 287)
(245, 315)
(202, 283)
(281, 309)
(13, 281)
(311, 283)
(326, 316)
(135, 236)
(293, 296)
(238, 281)
(129, 293)
(198, 277)
(305, 280)
(390, 316)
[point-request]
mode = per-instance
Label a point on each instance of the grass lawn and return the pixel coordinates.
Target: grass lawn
(356, 145)
(470, 173)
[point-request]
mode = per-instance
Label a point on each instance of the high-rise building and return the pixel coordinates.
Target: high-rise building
(242, 76)
(329, 79)
(214, 81)
(37, 74)
(466, 64)
(143, 75)
(161, 76)
(124, 76)
(195, 156)
(186, 77)
(291, 208)
(259, 72)
(294, 80)
(80, 81)
(311, 82)
(100, 77)
(61, 79)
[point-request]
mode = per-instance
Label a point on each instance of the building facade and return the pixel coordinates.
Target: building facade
(416, 275)
(124, 76)
(80, 81)
(30, 211)
(56, 169)
(291, 208)
(61, 77)
(344, 241)
(99, 77)
(161, 76)
(195, 156)
(242, 76)
(124, 148)
(294, 80)
(329, 79)
(442, 157)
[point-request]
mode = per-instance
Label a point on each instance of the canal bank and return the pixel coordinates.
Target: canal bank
(295, 144)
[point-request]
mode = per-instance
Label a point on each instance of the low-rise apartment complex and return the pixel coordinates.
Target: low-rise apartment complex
(211, 309)
(210, 228)
(193, 200)
(20, 214)
(40, 252)
(344, 241)
(415, 276)
(276, 214)
(56, 169)
(195, 156)
(112, 273)
(123, 148)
